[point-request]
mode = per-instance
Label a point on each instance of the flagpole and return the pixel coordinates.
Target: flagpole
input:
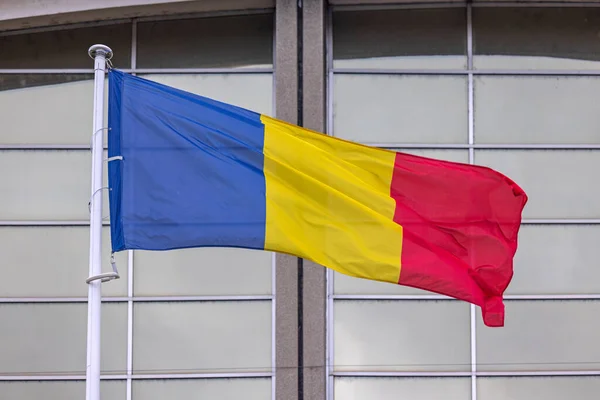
(100, 54)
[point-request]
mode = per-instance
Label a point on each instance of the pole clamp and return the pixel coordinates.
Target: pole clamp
(107, 276)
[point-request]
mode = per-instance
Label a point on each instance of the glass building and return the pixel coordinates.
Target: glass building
(507, 85)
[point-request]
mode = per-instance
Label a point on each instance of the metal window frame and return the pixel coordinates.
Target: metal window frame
(329, 274)
(471, 138)
(466, 374)
(438, 297)
(124, 377)
(386, 145)
(130, 257)
(154, 18)
(139, 299)
(133, 22)
(469, 73)
(129, 376)
(456, 4)
(63, 27)
(73, 223)
(165, 71)
(273, 255)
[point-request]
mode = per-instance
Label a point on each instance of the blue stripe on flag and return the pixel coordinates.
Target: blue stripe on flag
(192, 169)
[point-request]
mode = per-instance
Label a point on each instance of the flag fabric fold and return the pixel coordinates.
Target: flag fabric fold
(196, 172)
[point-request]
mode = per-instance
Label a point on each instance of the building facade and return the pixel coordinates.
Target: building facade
(508, 85)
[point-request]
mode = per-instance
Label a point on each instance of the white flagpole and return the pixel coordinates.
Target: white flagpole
(100, 53)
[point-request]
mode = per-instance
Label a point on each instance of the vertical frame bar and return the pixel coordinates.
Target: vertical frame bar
(130, 254)
(273, 328)
(329, 361)
(471, 93)
(129, 322)
(329, 50)
(274, 258)
(473, 311)
(274, 73)
(329, 342)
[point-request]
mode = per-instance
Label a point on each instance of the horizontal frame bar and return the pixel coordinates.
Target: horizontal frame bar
(42, 146)
(487, 146)
(564, 221)
(233, 298)
(458, 4)
(56, 377)
(339, 71)
(543, 4)
(154, 18)
(390, 297)
(63, 71)
(206, 14)
(416, 374)
(460, 374)
(425, 297)
(397, 6)
(67, 223)
(354, 374)
(202, 298)
(443, 146)
(139, 299)
(120, 377)
(62, 27)
(464, 72)
(204, 375)
(49, 223)
(266, 70)
(537, 373)
(54, 71)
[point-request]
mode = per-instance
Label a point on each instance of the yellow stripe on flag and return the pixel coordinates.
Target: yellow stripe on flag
(328, 200)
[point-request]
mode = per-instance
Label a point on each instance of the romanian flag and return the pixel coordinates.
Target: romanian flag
(187, 171)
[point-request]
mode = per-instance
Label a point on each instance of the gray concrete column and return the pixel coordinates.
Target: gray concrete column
(286, 108)
(314, 110)
(301, 376)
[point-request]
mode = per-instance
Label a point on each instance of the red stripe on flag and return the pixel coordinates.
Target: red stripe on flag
(460, 226)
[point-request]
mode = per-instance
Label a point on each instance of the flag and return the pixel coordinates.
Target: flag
(187, 171)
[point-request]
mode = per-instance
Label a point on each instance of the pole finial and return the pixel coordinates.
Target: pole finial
(100, 49)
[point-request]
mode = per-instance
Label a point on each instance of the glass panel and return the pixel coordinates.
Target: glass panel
(557, 259)
(59, 390)
(401, 335)
(51, 338)
(461, 156)
(66, 48)
(557, 182)
(200, 389)
(400, 109)
(542, 336)
(536, 38)
(546, 388)
(349, 285)
(62, 106)
(202, 337)
(431, 38)
(217, 42)
(53, 262)
(47, 185)
(203, 271)
(543, 109)
(253, 92)
(402, 388)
